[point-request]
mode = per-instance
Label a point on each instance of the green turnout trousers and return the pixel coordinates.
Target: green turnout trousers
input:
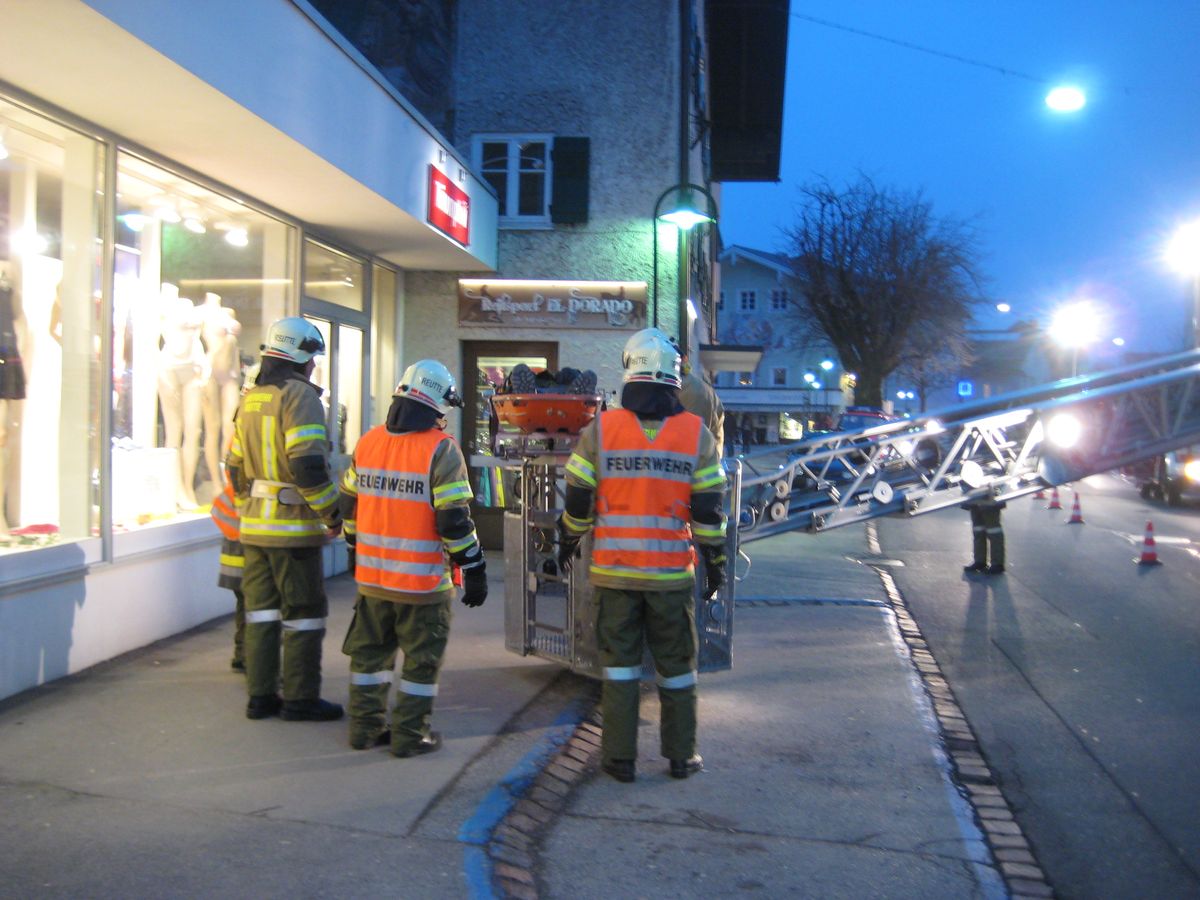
(380, 629)
(667, 620)
(284, 589)
(987, 534)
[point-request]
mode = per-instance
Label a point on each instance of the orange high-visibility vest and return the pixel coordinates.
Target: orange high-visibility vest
(224, 513)
(643, 497)
(398, 547)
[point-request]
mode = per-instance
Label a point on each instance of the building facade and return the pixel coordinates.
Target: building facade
(183, 174)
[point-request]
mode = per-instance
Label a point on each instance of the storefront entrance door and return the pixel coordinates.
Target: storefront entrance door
(485, 366)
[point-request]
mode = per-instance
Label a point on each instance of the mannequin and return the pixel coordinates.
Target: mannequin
(222, 382)
(14, 340)
(181, 365)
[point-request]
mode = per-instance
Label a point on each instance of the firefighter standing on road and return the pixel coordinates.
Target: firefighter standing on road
(987, 536)
(405, 501)
(651, 473)
(279, 466)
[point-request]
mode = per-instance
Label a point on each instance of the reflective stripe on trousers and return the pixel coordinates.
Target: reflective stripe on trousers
(622, 673)
(371, 678)
(304, 624)
(418, 690)
(677, 682)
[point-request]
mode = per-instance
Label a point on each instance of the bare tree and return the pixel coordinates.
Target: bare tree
(877, 271)
(934, 359)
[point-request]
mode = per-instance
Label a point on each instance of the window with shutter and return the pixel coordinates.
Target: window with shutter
(569, 195)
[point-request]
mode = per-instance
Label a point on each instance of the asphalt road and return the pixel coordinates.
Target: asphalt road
(1079, 671)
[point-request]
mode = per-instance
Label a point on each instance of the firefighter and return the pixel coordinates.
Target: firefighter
(279, 466)
(648, 479)
(405, 505)
(987, 535)
(233, 560)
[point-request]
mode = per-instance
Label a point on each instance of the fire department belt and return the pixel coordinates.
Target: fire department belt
(275, 490)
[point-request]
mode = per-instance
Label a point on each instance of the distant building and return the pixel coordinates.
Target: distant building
(798, 385)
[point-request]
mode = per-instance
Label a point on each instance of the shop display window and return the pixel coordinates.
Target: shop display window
(198, 277)
(51, 201)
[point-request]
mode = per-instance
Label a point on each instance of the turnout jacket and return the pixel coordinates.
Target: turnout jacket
(647, 477)
(405, 500)
(279, 463)
(225, 516)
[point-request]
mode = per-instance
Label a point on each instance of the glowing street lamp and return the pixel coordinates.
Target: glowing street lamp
(1183, 255)
(1074, 326)
(1066, 99)
(685, 214)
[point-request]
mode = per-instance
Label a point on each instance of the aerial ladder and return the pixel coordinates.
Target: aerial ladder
(1003, 447)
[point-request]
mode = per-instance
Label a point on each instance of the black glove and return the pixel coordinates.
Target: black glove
(351, 561)
(568, 548)
(475, 587)
(714, 569)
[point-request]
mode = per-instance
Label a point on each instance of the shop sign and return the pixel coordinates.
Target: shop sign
(552, 304)
(449, 206)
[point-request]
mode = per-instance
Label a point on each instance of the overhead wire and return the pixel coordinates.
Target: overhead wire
(920, 48)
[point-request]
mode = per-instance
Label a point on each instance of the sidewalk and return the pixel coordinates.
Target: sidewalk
(824, 776)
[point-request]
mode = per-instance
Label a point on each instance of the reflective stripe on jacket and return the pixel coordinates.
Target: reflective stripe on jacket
(397, 546)
(275, 425)
(643, 497)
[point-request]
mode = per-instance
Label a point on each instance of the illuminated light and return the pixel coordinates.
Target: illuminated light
(1064, 431)
(686, 215)
(1183, 251)
(1003, 307)
(1075, 325)
(3, 150)
(810, 377)
(817, 385)
(900, 395)
(1066, 99)
(134, 221)
(194, 225)
(1192, 469)
(1118, 342)
(237, 237)
(827, 364)
(28, 243)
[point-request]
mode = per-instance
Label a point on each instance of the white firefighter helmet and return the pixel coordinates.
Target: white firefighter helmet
(428, 381)
(650, 356)
(293, 338)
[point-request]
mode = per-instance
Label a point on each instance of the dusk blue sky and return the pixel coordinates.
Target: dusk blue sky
(1066, 206)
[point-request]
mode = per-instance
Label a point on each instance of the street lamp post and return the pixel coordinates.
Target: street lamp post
(685, 214)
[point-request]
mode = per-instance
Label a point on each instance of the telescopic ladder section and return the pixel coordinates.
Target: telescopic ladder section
(1003, 447)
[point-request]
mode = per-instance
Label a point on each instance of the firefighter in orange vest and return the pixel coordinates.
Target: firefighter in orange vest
(288, 507)
(405, 507)
(648, 479)
(233, 560)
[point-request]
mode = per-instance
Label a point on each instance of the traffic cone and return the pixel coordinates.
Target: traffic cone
(1054, 501)
(1076, 515)
(1149, 553)
(1040, 495)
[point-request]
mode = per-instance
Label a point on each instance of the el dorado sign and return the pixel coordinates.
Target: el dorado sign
(552, 304)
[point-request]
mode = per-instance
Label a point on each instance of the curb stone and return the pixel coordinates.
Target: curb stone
(513, 846)
(1014, 859)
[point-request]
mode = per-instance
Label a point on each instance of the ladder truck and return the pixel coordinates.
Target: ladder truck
(1003, 447)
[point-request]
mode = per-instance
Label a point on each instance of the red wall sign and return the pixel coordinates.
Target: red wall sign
(449, 206)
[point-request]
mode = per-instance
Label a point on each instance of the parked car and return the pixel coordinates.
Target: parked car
(1171, 477)
(856, 418)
